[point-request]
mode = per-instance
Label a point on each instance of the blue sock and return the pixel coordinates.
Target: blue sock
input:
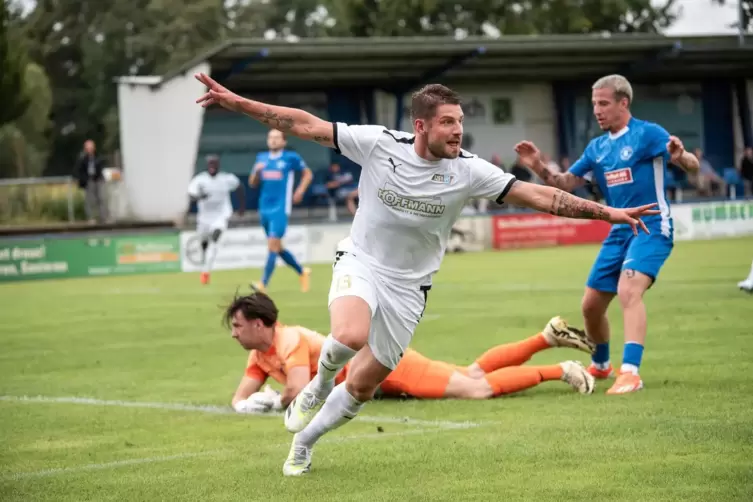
(601, 356)
(631, 356)
(269, 267)
(288, 258)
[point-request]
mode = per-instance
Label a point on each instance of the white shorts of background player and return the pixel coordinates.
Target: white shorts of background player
(396, 309)
(205, 227)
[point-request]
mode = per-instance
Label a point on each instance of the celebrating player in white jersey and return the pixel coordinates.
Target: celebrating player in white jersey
(210, 190)
(412, 189)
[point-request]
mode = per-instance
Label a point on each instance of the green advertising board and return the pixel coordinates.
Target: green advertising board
(48, 258)
(723, 211)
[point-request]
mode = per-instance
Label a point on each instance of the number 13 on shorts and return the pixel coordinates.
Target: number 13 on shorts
(344, 283)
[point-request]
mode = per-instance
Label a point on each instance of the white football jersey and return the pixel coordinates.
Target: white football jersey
(218, 187)
(408, 205)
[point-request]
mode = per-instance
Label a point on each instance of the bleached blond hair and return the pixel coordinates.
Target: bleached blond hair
(619, 85)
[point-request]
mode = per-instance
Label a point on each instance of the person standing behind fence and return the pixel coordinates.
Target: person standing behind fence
(89, 173)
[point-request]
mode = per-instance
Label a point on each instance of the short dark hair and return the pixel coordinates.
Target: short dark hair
(254, 306)
(425, 101)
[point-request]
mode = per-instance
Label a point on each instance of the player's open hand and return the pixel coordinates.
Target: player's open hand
(675, 148)
(217, 94)
(528, 152)
(632, 216)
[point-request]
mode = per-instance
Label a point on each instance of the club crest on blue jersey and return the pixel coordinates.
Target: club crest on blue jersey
(626, 153)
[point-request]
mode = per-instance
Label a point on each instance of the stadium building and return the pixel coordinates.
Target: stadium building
(537, 88)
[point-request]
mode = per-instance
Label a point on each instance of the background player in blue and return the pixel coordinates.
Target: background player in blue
(629, 165)
(275, 169)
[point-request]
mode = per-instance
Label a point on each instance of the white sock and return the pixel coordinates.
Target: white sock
(211, 254)
(629, 368)
(339, 408)
(750, 277)
(602, 366)
(333, 356)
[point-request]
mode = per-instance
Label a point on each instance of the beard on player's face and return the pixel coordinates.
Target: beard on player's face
(443, 144)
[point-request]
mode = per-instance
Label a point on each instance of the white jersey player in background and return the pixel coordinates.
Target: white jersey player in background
(211, 190)
(412, 189)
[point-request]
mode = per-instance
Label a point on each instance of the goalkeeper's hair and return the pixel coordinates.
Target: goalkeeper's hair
(257, 305)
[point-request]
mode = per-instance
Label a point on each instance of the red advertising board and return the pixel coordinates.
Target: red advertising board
(540, 230)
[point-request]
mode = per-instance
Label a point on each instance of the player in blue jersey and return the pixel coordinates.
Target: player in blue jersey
(629, 164)
(275, 169)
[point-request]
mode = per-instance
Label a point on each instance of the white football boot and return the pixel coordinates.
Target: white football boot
(302, 410)
(559, 334)
(298, 462)
(746, 285)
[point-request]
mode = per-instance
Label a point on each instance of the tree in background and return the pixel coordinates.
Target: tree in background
(745, 16)
(84, 46)
(368, 18)
(24, 143)
(13, 63)
(27, 99)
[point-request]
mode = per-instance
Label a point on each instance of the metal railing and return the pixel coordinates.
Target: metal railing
(69, 181)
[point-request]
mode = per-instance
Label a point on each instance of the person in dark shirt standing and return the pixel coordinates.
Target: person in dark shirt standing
(89, 173)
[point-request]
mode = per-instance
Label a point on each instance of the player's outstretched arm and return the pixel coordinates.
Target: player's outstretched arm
(289, 120)
(559, 203)
(530, 157)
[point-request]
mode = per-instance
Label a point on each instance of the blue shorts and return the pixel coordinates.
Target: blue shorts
(621, 250)
(274, 225)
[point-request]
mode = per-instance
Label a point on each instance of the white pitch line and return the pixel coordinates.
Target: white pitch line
(151, 460)
(106, 465)
(226, 410)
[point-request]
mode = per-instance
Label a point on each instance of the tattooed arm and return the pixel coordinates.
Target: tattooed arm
(556, 201)
(559, 203)
(564, 181)
(288, 120)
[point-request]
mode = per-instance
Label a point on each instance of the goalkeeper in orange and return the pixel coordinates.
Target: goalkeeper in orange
(290, 355)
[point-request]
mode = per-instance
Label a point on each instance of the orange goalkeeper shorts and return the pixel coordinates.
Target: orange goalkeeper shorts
(418, 376)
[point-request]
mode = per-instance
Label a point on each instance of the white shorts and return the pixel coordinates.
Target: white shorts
(205, 228)
(396, 309)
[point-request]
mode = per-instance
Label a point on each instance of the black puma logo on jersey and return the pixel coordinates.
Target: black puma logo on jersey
(394, 166)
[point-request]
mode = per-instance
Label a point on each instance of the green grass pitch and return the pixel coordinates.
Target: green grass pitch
(127, 343)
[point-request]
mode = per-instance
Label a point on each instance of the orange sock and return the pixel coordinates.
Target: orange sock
(511, 354)
(510, 380)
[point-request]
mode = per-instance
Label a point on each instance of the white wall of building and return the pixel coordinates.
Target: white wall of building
(159, 134)
(487, 121)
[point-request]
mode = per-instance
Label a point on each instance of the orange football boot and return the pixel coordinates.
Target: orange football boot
(625, 383)
(305, 278)
(600, 374)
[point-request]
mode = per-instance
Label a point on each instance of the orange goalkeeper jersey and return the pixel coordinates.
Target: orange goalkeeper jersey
(292, 346)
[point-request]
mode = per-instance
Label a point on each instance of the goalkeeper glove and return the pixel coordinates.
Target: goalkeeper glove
(275, 396)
